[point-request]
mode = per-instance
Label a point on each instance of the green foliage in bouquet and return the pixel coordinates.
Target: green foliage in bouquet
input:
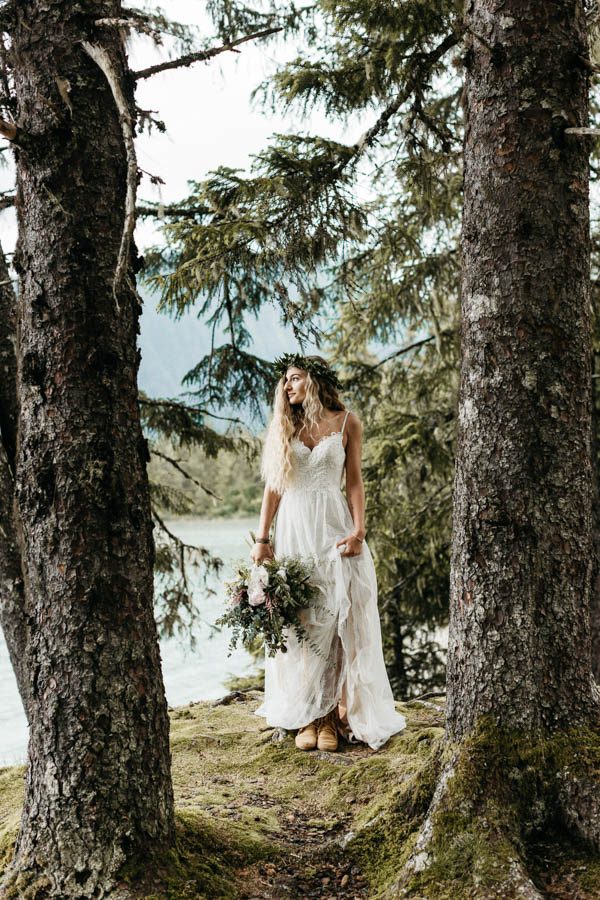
(268, 599)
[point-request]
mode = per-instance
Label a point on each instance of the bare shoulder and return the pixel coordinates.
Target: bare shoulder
(353, 425)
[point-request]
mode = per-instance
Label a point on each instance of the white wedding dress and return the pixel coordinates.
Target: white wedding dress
(301, 685)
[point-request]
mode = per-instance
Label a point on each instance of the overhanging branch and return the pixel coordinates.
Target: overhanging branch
(201, 55)
(421, 69)
(187, 475)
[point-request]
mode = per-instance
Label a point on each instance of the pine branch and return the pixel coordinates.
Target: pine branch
(201, 55)
(161, 210)
(176, 540)
(182, 407)
(105, 64)
(415, 344)
(419, 73)
(187, 475)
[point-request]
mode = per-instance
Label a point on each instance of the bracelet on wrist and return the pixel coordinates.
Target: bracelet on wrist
(262, 541)
(361, 539)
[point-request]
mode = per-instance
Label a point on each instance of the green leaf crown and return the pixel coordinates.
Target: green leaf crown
(313, 366)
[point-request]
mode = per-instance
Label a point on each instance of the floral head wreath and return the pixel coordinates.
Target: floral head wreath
(313, 366)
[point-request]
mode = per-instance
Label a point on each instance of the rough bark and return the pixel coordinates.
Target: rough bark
(523, 708)
(13, 613)
(519, 644)
(595, 586)
(98, 787)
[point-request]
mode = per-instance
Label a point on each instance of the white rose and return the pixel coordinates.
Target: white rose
(282, 573)
(259, 579)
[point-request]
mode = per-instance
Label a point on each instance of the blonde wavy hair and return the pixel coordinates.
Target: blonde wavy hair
(288, 421)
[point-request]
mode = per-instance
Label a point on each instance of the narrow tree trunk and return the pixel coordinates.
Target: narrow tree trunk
(98, 784)
(521, 753)
(13, 613)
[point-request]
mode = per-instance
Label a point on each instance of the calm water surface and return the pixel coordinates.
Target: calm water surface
(188, 675)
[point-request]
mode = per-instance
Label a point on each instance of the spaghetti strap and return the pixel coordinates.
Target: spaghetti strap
(344, 422)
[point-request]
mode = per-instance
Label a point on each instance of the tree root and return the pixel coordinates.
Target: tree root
(496, 797)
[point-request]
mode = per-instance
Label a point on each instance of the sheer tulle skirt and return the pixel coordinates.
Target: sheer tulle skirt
(345, 662)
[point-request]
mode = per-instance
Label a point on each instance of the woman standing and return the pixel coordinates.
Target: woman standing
(337, 681)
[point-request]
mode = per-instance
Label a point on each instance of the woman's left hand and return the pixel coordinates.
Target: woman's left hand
(353, 545)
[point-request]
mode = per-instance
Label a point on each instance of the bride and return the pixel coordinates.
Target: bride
(337, 683)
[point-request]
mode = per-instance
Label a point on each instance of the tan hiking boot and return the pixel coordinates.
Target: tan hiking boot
(306, 738)
(327, 735)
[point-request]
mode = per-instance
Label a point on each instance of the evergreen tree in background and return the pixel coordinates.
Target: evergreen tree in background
(361, 238)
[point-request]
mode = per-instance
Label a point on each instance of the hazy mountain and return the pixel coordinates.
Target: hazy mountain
(171, 347)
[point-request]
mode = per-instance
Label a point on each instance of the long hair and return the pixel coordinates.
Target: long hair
(289, 420)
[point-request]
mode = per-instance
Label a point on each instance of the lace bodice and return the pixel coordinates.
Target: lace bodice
(321, 468)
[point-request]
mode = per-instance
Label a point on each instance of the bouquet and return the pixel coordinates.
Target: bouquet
(267, 599)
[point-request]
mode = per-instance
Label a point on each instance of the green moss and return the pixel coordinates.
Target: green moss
(246, 803)
(385, 830)
(246, 682)
(500, 801)
(203, 862)
(11, 800)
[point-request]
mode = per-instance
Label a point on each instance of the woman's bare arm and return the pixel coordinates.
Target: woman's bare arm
(270, 502)
(355, 490)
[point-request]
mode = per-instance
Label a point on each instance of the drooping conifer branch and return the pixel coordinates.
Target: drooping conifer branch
(161, 210)
(423, 66)
(202, 55)
(176, 465)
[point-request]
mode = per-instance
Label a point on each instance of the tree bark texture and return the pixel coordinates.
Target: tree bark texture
(98, 787)
(13, 612)
(595, 586)
(519, 645)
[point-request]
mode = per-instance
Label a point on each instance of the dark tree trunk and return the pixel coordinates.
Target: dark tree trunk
(98, 783)
(522, 713)
(595, 588)
(13, 614)
(520, 576)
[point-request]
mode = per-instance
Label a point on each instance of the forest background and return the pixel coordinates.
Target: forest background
(346, 227)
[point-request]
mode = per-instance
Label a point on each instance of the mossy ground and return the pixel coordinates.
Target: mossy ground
(257, 818)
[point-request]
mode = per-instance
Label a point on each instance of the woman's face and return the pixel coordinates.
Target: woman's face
(295, 385)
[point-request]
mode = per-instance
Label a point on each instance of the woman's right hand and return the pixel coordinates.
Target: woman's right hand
(261, 552)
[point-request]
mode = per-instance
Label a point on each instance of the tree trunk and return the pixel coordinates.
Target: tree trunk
(595, 586)
(13, 614)
(520, 573)
(98, 786)
(521, 700)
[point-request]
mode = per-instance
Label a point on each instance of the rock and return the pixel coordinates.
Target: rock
(345, 840)
(278, 735)
(344, 881)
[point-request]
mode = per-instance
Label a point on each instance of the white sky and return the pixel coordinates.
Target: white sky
(207, 111)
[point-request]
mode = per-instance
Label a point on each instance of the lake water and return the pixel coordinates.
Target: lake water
(197, 675)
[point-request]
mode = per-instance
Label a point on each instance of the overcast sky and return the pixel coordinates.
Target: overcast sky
(208, 114)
